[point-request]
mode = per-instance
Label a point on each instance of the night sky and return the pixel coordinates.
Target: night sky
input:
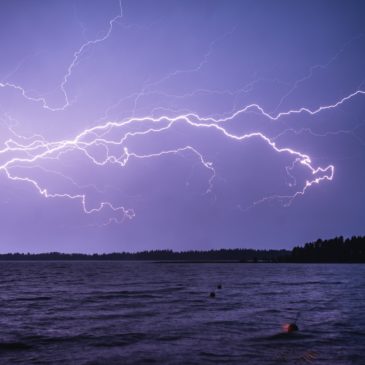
(183, 124)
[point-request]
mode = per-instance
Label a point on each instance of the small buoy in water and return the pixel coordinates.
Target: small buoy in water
(212, 294)
(290, 327)
(219, 286)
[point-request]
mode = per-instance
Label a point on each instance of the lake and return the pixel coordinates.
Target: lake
(159, 313)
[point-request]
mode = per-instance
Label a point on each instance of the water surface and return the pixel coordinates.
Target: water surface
(146, 313)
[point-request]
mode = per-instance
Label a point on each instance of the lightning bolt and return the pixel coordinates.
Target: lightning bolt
(350, 132)
(38, 149)
(75, 61)
(317, 67)
(23, 153)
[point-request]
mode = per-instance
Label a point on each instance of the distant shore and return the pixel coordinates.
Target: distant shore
(335, 250)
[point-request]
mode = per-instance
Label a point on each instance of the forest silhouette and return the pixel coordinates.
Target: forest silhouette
(335, 250)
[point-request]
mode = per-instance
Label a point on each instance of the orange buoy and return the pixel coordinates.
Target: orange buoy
(290, 327)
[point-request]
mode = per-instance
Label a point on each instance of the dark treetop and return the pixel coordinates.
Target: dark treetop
(333, 250)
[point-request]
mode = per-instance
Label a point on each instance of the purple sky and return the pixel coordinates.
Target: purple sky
(180, 124)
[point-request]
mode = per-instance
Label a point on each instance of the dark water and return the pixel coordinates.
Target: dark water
(136, 313)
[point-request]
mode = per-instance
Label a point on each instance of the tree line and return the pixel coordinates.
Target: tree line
(335, 250)
(243, 255)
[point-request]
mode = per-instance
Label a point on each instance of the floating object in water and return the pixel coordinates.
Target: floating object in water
(290, 327)
(212, 294)
(219, 286)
